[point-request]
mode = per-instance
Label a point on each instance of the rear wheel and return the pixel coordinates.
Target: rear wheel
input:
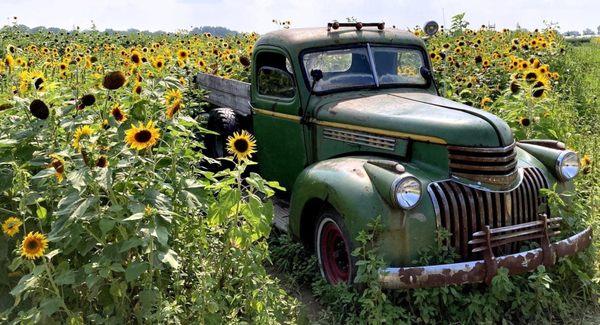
(333, 247)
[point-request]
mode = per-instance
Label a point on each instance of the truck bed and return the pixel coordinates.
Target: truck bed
(223, 92)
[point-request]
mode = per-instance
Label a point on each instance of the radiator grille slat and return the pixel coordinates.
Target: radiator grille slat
(463, 210)
(496, 166)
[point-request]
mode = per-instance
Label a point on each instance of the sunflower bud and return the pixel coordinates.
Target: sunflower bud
(88, 100)
(39, 109)
(114, 80)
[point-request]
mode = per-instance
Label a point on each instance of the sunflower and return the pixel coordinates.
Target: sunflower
(114, 80)
(136, 57)
(182, 54)
(174, 108)
(34, 245)
(85, 130)
(245, 61)
(241, 145)
(586, 163)
(539, 89)
(173, 95)
(515, 87)
(9, 61)
(118, 114)
(102, 162)
(142, 137)
(159, 62)
(485, 102)
(12, 226)
(524, 121)
(137, 88)
(531, 76)
(39, 109)
(59, 166)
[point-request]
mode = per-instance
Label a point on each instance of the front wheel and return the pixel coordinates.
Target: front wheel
(333, 247)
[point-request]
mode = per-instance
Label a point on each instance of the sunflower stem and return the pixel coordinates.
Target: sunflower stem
(55, 288)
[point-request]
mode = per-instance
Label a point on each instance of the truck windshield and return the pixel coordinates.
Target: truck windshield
(353, 67)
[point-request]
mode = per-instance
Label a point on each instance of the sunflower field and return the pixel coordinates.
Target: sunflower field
(109, 215)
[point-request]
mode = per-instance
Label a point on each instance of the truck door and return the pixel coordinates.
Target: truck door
(275, 100)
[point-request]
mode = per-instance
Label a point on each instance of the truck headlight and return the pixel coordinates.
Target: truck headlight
(407, 191)
(567, 165)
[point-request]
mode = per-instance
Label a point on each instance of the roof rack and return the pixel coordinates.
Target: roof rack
(358, 25)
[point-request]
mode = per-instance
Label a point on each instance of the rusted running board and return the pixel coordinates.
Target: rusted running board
(476, 271)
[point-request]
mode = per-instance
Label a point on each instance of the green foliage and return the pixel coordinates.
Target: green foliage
(147, 236)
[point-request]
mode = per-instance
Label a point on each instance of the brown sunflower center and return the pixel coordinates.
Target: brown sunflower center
(117, 114)
(143, 136)
(531, 77)
(241, 145)
(32, 245)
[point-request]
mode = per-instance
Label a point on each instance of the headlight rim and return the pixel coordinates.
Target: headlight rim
(394, 189)
(559, 161)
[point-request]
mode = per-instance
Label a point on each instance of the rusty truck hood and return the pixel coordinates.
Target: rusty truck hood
(419, 113)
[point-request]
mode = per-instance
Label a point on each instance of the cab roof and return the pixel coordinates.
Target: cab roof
(297, 39)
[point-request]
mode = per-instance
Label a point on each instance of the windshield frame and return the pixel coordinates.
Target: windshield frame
(368, 46)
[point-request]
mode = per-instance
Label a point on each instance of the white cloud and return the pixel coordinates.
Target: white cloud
(257, 15)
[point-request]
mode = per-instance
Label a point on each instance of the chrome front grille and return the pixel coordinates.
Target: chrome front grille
(496, 166)
(463, 210)
(360, 138)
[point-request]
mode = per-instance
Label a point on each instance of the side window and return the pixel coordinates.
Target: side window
(273, 75)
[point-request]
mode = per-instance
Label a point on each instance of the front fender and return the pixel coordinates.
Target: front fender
(346, 185)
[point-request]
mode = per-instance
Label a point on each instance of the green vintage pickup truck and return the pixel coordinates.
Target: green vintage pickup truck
(349, 119)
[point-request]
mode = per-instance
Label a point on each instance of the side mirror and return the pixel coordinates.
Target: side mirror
(316, 74)
(426, 73)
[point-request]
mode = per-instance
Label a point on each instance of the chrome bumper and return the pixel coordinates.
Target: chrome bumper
(482, 270)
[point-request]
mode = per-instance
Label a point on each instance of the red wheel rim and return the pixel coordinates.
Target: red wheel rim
(335, 257)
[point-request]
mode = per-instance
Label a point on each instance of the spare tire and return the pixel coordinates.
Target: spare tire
(225, 122)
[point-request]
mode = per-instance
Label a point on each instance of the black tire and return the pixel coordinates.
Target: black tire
(340, 267)
(225, 122)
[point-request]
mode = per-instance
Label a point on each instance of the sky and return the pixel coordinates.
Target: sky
(258, 15)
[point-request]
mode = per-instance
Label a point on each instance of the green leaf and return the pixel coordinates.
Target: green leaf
(129, 244)
(41, 212)
(49, 306)
(44, 173)
(106, 225)
(148, 298)
(105, 178)
(82, 208)
(66, 277)
(135, 270)
(135, 216)
(26, 282)
(77, 178)
(5, 143)
(170, 257)
(161, 233)
(53, 253)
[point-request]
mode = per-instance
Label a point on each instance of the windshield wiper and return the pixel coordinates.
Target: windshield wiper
(372, 63)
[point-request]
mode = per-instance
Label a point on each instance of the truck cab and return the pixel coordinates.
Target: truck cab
(348, 118)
